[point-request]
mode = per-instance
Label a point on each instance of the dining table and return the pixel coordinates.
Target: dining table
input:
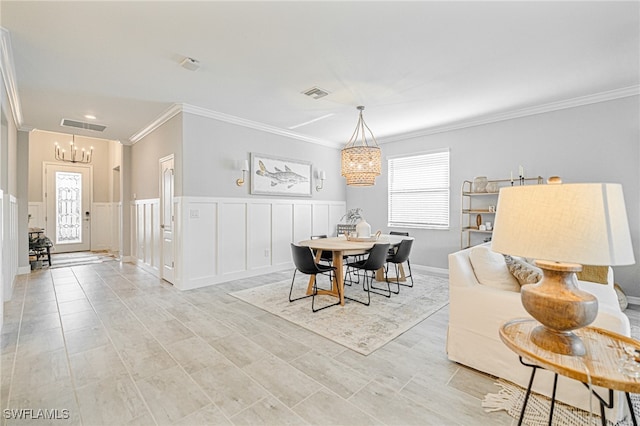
(341, 246)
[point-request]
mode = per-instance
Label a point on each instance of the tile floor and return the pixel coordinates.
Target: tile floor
(110, 344)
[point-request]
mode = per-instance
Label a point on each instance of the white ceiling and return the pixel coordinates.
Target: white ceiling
(414, 65)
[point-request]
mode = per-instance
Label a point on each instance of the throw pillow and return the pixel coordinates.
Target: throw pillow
(491, 269)
(594, 274)
(622, 298)
(523, 271)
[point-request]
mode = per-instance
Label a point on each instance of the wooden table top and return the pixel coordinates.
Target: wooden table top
(601, 362)
(342, 244)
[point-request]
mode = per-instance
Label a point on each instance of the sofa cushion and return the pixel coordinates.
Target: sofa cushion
(491, 269)
(523, 271)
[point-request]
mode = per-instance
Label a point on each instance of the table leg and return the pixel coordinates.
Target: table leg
(526, 397)
(553, 398)
(402, 277)
(338, 277)
(312, 278)
(631, 412)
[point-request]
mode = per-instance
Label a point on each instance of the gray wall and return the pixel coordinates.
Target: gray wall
(214, 149)
(145, 174)
(592, 143)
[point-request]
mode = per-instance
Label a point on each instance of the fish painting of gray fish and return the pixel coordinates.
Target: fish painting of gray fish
(279, 177)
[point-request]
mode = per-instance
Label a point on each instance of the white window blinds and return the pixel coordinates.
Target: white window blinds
(419, 190)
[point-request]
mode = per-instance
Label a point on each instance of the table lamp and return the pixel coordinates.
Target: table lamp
(562, 227)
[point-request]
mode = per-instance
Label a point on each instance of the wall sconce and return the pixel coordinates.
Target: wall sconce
(245, 168)
(321, 177)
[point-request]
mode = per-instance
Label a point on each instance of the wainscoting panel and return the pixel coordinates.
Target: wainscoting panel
(9, 243)
(232, 229)
(259, 236)
(281, 234)
(145, 229)
(302, 222)
(222, 239)
(200, 238)
(321, 219)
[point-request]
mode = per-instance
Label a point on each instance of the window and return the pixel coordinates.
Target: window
(419, 190)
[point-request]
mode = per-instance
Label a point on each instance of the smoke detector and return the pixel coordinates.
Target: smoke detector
(190, 64)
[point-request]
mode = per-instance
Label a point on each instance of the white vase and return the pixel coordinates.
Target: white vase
(363, 229)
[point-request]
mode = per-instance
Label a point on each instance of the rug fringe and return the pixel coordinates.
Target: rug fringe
(506, 399)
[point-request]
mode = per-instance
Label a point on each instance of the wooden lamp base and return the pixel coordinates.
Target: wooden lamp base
(560, 306)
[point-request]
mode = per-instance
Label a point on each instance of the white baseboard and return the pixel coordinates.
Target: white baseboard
(431, 270)
(634, 300)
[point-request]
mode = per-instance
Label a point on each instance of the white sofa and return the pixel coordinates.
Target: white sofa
(476, 313)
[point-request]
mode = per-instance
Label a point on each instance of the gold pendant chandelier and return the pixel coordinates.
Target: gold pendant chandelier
(361, 162)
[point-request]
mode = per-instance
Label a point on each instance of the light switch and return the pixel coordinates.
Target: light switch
(194, 213)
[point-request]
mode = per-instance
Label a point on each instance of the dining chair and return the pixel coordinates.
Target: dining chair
(401, 255)
(305, 262)
(326, 255)
(401, 233)
(369, 266)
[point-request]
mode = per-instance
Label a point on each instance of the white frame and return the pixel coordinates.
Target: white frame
(299, 184)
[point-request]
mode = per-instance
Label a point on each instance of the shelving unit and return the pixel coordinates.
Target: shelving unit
(474, 204)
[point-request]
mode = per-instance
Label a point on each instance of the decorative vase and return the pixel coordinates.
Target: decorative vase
(492, 187)
(478, 220)
(480, 184)
(363, 229)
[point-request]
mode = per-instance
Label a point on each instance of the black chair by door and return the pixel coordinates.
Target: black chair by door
(304, 262)
(369, 266)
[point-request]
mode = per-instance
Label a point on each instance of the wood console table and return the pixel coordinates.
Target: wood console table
(604, 351)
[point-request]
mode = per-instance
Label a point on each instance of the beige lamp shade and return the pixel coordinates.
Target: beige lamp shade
(574, 223)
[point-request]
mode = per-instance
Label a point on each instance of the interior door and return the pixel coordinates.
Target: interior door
(68, 206)
(167, 218)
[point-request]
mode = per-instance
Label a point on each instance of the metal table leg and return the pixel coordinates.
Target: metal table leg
(534, 368)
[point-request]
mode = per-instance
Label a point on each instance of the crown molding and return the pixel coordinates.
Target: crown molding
(524, 112)
(9, 76)
(203, 112)
(232, 119)
(174, 110)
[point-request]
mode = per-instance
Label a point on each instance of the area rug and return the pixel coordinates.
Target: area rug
(360, 328)
(510, 398)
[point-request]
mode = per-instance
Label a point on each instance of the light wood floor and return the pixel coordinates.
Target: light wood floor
(110, 344)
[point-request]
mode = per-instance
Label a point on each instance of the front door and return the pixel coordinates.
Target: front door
(167, 217)
(68, 206)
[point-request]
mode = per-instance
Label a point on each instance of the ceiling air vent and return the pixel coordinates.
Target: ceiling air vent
(316, 93)
(82, 125)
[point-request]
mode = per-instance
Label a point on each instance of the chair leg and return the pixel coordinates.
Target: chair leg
(315, 292)
(385, 292)
(301, 297)
(365, 286)
(408, 276)
(386, 277)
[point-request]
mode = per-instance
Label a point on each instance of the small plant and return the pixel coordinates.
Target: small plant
(352, 216)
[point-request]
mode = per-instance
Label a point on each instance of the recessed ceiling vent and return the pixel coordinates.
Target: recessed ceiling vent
(82, 125)
(316, 93)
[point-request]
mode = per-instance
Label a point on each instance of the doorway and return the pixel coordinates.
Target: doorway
(167, 218)
(68, 206)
